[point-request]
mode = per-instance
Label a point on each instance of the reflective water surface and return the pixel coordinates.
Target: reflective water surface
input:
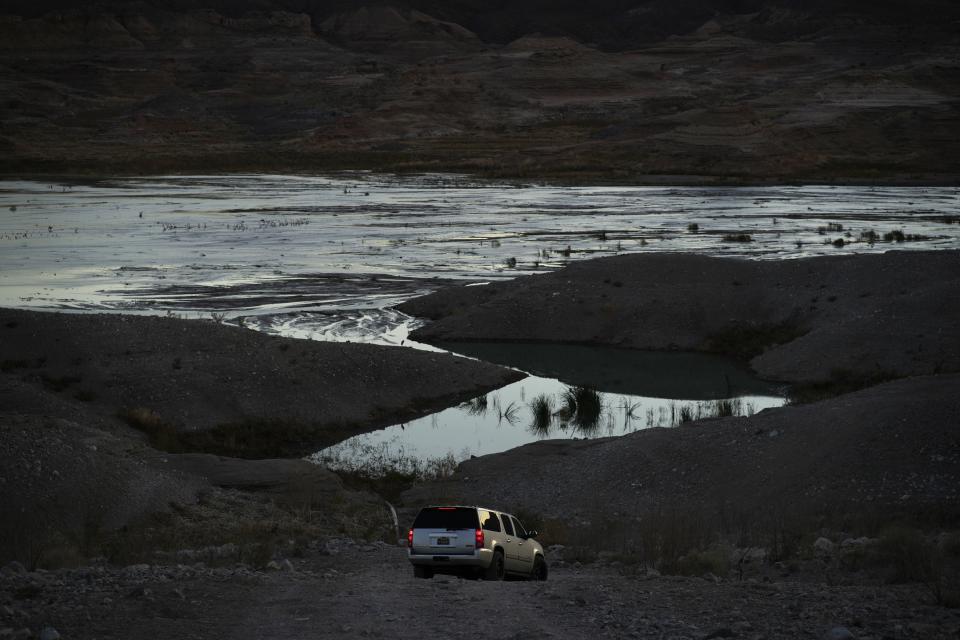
(639, 390)
(325, 257)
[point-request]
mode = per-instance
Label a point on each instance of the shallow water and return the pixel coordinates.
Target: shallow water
(324, 257)
(638, 390)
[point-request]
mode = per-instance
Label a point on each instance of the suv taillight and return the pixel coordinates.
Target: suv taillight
(410, 538)
(479, 535)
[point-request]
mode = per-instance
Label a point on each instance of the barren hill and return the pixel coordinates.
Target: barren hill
(729, 90)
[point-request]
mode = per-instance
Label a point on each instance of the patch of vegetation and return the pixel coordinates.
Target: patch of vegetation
(10, 365)
(477, 406)
(85, 395)
(841, 381)
(541, 408)
(58, 383)
(830, 227)
(582, 406)
(251, 439)
(693, 227)
(737, 237)
(714, 561)
(747, 341)
(727, 408)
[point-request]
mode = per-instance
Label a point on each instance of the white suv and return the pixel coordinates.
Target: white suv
(473, 540)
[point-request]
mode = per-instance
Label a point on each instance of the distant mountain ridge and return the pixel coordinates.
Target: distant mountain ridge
(610, 24)
(610, 90)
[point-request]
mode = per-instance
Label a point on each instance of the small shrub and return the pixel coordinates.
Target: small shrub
(10, 365)
(698, 563)
(737, 237)
(838, 243)
(542, 409)
(908, 555)
(84, 395)
(894, 236)
(60, 383)
(693, 227)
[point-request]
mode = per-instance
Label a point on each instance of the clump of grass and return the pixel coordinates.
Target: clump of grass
(541, 408)
(693, 227)
(84, 395)
(686, 414)
(583, 405)
(869, 236)
(160, 433)
(698, 563)
(58, 383)
(10, 365)
(477, 406)
(737, 237)
(829, 228)
(727, 407)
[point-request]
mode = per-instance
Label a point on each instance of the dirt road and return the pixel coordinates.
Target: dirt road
(368, 591)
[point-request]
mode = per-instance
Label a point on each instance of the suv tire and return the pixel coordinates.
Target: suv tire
(422, 572)
(497, 568)
(539, 570)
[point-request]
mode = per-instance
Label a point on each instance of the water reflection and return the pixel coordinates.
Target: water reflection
(539, 407)
(326, 257)
(661, 374)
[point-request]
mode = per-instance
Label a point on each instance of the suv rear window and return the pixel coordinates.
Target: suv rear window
(446, 518)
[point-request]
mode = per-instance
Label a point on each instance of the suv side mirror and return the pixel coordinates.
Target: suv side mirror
(532, 534)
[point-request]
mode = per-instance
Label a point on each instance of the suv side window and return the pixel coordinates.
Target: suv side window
(507, 525)
(489, 521)
(521, 532)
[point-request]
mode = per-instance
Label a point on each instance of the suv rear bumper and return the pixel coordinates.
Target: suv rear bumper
(479, 558)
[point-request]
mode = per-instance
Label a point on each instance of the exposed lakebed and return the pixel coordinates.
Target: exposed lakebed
(328, 257)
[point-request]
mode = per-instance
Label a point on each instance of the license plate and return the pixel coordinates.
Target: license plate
(443, 540)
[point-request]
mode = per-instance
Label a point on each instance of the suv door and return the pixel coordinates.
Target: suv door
(525, 549)
(510, 544)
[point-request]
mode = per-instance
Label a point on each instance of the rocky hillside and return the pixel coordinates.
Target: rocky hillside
(728, 90)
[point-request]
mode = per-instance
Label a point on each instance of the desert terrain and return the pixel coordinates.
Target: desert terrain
(159, 475)
(660, 92)
(142, 501)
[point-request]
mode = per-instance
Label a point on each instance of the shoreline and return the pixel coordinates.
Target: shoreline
(108, 173)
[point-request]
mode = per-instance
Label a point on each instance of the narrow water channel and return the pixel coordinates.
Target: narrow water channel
(573, 391)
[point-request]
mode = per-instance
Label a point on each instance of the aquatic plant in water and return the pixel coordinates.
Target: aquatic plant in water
(542, 409)
(583, 406)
